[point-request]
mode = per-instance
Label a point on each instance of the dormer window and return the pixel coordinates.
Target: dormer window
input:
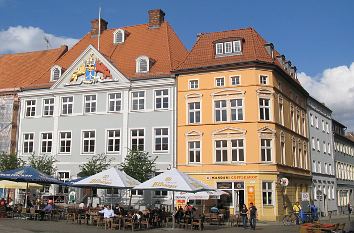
(227, 48)
(55, 73)
(118, 36)
(142, 64)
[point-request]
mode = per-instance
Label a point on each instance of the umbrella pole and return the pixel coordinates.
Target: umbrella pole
(26, 198)
(111, 197)
(173, 209)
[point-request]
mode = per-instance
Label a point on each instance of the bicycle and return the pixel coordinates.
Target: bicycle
(290, 219)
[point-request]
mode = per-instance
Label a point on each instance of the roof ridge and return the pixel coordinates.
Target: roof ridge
(125, 27)
(168, 45)
(231, 30)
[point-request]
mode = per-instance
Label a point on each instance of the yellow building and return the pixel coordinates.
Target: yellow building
(241, 122)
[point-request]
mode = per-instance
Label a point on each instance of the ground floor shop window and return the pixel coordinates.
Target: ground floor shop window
(236, 197)
(267, 192)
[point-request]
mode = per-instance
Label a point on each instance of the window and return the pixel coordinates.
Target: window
(194, 112)
(90, 103)
(65, 142)
(55, 73)
(65, 177)
(219, 48)
(115, 102)
(263, 79)
(267, 193)
(30, 108)
(313, 143)
(118, 36)
(221, 150)
(281, 113)
(314, 165)
(161, 140)
(113, 141)
(237, 46)
(238, 150)
(264, 109)
(330, 169)
(292, 119)
(220, 110)
(298, 122)
(329, 148)
(89, 141)
(194, 152)
(46, 142)
(323, 126)
(67, 105)
(316, 121)
(282, 150)
(137, 192)
(304, 125)
(315, 192)
(28, 140)
(318, 144)
(138, 100)
(266, 150)
(48, 107)
(327, 127)
(220, 82)
(236, 109)
(159, 193)
(137, 139)
(228, 47)
(311, 119)
(324, 147)
(319, 168)
(161, 99)
(235, 80)
(193, 84)
(142, 64)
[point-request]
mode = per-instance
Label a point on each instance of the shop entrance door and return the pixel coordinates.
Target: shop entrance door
(239, 200)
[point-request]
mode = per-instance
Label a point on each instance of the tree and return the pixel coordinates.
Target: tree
(96, 164)
(139, 165)
(10, 161)
(43, 163)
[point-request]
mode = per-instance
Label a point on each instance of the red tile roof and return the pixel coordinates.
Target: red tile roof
(160, 44)
(28, 69)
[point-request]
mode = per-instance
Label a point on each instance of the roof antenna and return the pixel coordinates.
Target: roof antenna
(99, 29)
(47, 42)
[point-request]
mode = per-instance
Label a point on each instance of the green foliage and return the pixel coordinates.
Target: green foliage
(43, 163)
(9, 162)
(96, 164)
(139, 165)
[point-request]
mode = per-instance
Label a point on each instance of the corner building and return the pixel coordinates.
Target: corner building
(241, 122)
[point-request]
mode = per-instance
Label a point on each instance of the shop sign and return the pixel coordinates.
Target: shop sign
(305, 197)
(250, 195)
(231, 177)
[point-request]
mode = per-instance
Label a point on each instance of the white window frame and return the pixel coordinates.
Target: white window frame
(155, 136)
(313, 143)
(71, 103)
(235, 77)
(114, 138)
(138, 98)
(92, 104)
(162, 97)
(220, 82)
(238, 148)
(52, 73)
(311, 119)
(268, 190)
(28, 141)
(218, 47)
(32, 108)
(316, 121)
(49, 105)
(137, 138)
(194, 111)
(236, 108)
(318, 145)
(115, 33)
(65, 188)
(228, 47)
(222, 149)
(220, 110)
(265, 147)
(263, 79)
(47, 142)
(83, 139)
(117, 102)
(193, 84)
(195, 150)
(264, 108)
(138, 64)
(314, 166)
(66, 140)
(236, 43)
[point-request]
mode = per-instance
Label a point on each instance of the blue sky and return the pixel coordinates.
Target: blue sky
(317, 36)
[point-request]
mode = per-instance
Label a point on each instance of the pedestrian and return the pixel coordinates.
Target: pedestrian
(244, 212)
(253, 216)
(296, 209)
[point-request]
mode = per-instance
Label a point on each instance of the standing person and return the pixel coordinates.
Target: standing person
(108, 215)
(244, 212)
(349, 210)
(296, 209)
(253, 216)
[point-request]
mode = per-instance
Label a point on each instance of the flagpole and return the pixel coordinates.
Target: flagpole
(99, 29)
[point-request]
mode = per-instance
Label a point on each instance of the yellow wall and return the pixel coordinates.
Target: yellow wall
(251, 129)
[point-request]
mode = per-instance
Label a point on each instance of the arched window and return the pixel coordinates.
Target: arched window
(142, 64)
(55, 73)
(118, 36)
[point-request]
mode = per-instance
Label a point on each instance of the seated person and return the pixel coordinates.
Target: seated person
(108, 214)
(47, 209)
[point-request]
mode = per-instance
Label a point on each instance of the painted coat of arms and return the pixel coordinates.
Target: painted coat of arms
(90, 71)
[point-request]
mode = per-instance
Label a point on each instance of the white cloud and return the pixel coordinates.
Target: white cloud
(334, 87)
(24, 39)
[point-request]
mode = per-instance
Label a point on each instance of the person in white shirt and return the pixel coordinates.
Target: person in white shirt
(108, 215)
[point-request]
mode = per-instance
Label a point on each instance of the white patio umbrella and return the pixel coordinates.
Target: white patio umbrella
(203, 195)
(110, 178)
(176, 181)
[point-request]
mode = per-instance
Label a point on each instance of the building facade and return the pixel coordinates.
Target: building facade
(241, 122)
(107, 101)
(322, 156)
(344, 165)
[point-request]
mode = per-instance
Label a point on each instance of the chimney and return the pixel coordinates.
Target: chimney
(156, 18)
(95, 26)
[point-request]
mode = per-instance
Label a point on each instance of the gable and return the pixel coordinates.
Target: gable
(229, 132)
(90, 68)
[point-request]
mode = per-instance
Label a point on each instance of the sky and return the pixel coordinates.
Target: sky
(316, 36)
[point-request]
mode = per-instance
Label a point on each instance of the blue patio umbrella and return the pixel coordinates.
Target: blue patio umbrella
(29, 175)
